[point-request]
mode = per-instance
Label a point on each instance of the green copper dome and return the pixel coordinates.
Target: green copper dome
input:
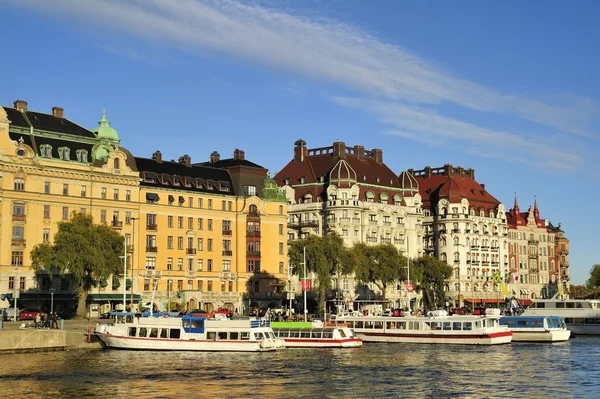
(104, 131)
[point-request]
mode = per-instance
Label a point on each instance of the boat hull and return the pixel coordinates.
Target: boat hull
(541, 335)
(154, 344)
(322, 343)
(504, 337)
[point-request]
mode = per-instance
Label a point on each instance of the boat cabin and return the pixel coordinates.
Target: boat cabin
(545, 322)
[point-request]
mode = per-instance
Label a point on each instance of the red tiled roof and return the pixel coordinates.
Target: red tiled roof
(453, 186)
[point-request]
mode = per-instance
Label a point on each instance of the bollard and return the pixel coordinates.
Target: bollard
(61, 324)
(1, 323)
(89, 338)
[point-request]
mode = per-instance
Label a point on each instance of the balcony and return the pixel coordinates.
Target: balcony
(495, 232)
(19, 218)
(456, 231)
(20, 243)
(468, 260)
(229, 252)
(467, 230)
(474, 263)
(355, 220)
(190, 251)
(152, 249)
(476, 231)
(345, 220)
(374, 222)
(474, 246)
(303, 223)
(533, 242)
(151, 227)
(400, 225)
(443, 231)
(533, 256)
(485, 247)
(387, 223)
(252, 233)
(253, 215)
(386, 240)
(190, 274)
(495, 249)
(253, 253)
(560, 252)
(371, 240)
(226, 232)
(399, 241)
(227, 275)
(115, 224)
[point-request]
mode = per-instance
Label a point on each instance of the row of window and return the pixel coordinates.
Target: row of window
(226, 286)
(198, 265)
(64, 153)
(251, 245)
(185, 181)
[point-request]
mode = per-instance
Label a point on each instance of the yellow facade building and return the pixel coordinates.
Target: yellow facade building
(208, 235)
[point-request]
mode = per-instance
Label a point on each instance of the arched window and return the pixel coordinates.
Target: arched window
(369, 195)
(456, 241)
(253, 209)
(116, 163)
(444, 257)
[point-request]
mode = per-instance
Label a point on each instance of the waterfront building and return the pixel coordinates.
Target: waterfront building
(51, 167)
(208, 235)
(466, 227)
(351, 191)
(538, 254)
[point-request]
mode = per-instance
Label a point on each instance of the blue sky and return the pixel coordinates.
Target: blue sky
(507, 88)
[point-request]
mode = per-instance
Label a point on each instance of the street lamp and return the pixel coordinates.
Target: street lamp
(124, 256)
(132, 258)
(52, 300)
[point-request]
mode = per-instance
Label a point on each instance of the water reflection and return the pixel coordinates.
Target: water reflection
(567, 370)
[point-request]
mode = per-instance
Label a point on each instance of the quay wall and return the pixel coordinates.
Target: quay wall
(39, 340)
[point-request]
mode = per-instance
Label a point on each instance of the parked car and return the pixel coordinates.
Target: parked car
(8, 314)
(29, 314)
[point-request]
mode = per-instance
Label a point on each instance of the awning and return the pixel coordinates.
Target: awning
(152, 197)
(484, 300)
(525, 302)
(171, 198)
(181, 199)
(112, 297)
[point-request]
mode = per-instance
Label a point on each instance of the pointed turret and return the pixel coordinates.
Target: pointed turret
(516, 205)
(104, 131)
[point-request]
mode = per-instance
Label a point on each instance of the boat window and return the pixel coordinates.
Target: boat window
(447, 325)
(537, 323)
(568, 320)
(579, 305)
(132, 331)
(197, 323)
(245, 336)
(294, 334)
(153, 333)
(578, 320)
(211, 335)
(234, 335)
(597, 321)
(359, 324)
(328, 334)
(368, 324)
(570, 305)
(164, 332)
(305, 334)
(413, 325)
(379, 324)
(143, 332)
(456, 326)
(560, 305)
(317, 334)
(342, 333)
(468, 326)
(174, 333)
(389, 324)
(590, 321)
(522, 323)
(186, 324)
(129, 319)
(271, 335)
(222, 335)
(401, 325)
(509, 323)
(540, 305)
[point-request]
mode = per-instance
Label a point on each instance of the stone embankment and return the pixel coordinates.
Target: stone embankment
(77, 334)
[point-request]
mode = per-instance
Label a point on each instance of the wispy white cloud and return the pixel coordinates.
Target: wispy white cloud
(428, 127)
(407, 87)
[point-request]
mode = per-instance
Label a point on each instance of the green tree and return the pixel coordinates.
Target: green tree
(326, 257)
(430, 274)
(594, 280)
(83, 251)
(380, 264)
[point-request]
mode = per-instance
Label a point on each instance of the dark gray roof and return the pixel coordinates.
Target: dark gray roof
(47, 122)
(230, 162)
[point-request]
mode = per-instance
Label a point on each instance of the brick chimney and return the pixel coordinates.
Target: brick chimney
(157, 156)
(377, 155)
(214, 157)
(186, 160)
(427, 171)
(447, 169)
(58, 112)
(359, 152)
(471, 173)
(239, 154)
(339, 149)
(300, 150)
(20, 105)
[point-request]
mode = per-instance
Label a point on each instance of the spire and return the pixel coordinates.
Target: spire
(104, 131)
(536, 211)
(516, 205)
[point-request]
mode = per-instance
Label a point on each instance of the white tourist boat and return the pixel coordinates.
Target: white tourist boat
(536, 328)
(437, 328)
(324, 337)
(582, 316)
(188, 333)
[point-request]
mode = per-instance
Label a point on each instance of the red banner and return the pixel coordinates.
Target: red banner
(305, 284)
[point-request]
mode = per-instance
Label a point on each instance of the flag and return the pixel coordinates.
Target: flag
(305, 284)
(516, 277)
(504, 289)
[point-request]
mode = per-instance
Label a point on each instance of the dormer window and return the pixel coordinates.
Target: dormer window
(287, 182)
(377, 179)
(64, 153)
(369, 195)
(210, 184)
(177, 181)
(46, 150)
(302, 180)
(199, 183)
(82, 155)
(364, 177)
(149, 177)
(224, 186)
(188, 181)
(116, 163)
(321, 179)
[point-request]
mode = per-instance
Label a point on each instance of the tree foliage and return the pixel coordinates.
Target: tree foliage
(594, 280)
(430, 273)
(83, 251)
(381, 264)
(326, 257)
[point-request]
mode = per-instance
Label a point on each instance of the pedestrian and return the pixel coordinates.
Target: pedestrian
(37, 320)
(45, 320)
(54, 320)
